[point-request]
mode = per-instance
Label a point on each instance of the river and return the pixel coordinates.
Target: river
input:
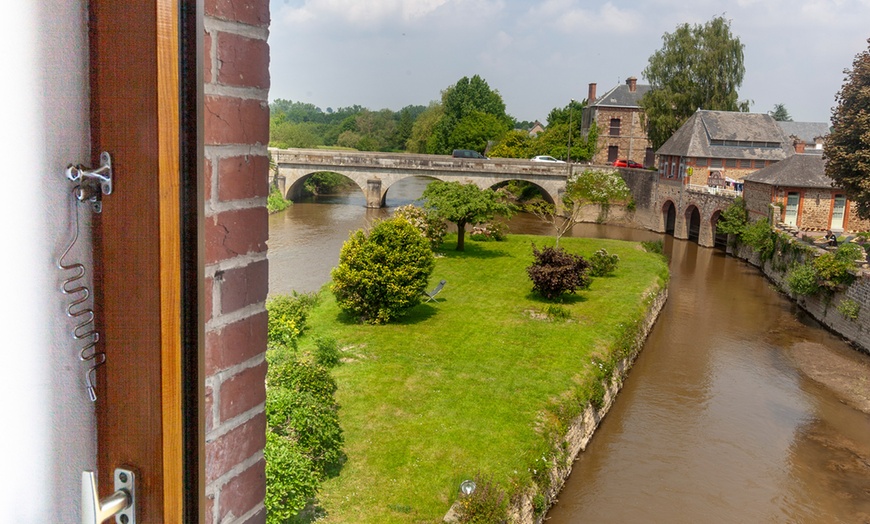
(716, 423)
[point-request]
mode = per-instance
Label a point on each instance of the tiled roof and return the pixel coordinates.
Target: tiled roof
(621, 96)
(805, 131)
(795, 171)
(697, 137)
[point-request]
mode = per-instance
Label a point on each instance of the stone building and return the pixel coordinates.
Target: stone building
(619, 118)
(722, 145)
(806, 137)
(797, 192)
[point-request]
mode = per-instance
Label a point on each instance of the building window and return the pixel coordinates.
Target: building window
(701, 162)
(612, 153)
(731, 162)
(649, 159)
(614, 127)
(716, 162)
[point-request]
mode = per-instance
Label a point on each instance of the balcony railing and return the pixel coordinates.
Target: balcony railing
(710, 190)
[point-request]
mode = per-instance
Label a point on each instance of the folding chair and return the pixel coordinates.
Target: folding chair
(434, 292)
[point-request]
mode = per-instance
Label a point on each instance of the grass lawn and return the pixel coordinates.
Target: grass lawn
(461, 387)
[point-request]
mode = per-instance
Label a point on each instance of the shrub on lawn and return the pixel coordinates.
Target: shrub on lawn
(603, 263)
(287, 315)
(303, 438)
(487, 504)
(556, 272)
(430, 226)
(381, 275)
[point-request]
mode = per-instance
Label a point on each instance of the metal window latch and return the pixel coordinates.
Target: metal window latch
(121, 504)
(93, 183)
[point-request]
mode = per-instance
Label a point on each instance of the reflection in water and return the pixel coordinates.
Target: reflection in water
(715, 423)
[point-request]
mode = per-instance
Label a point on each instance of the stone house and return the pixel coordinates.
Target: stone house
(796, 192)
(620, 122)
(722, 145)
(806, 137)
(537, 128)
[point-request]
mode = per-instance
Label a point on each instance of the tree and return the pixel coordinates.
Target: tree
(424, 126)
(469, 99)
(698, 67)
(515, 144)
(381, 275)
(463, 204)
(589, 187)
(780, 113)
(847, 148)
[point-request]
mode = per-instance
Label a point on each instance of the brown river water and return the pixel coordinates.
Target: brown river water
(716, 423)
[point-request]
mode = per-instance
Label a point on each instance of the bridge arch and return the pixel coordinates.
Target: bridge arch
(295, 190)
(693, 223)
(669, 217)
(720, 240)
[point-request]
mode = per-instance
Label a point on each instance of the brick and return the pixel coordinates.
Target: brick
(257, 518)
(209, 509)
(242, 61)
(208, 295)
(207, 59)
(243, 493)
(236, 233)
(234, 447)
(242, 177)
(235, 343)
(251, 12)
(243, 392)
(244, 286)
(209, 409)
(208, 173)
(231, 120)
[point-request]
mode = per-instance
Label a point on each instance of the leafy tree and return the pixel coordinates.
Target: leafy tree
(847, 148)
(382, 274)
(698, 67)
(468, 99)
(780, 113)
(556, 272)
(515, 144)
(589, 187)
(424, 126)
(463, 204)
(733, 220)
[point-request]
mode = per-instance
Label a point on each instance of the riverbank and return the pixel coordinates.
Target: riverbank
(485, 382)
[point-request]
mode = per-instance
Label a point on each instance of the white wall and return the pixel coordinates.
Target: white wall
(48, 433)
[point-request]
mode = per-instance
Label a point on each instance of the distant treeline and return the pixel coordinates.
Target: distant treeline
(470, 115)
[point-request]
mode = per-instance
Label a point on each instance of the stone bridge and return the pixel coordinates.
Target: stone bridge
(375, 173)
(662, 205)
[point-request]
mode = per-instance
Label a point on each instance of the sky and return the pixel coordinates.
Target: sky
(540, 54)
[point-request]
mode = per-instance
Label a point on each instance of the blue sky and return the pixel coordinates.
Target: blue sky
(540, 54)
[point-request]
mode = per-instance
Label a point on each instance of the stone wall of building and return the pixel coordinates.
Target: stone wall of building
(632, 140)
(236, 77)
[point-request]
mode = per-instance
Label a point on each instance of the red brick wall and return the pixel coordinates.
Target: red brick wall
(236, 76)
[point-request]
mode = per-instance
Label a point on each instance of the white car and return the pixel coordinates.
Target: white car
(546, 158)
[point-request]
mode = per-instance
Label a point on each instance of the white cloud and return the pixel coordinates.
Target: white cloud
(569, 16)
(373, 13)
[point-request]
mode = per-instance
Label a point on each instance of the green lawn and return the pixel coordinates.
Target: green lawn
(459, 387)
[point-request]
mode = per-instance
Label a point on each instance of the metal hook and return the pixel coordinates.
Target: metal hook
(93, 183)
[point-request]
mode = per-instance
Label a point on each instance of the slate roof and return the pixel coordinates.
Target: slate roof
(806, 132)
(805, 170)
(694, 138)
(621, 96)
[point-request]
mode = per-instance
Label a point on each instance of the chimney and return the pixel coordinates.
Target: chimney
(799, 146)
(591, 97)
(632, 83)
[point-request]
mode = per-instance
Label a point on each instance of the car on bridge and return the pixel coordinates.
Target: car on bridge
(467, 153)
(547, 158)
(627, 163)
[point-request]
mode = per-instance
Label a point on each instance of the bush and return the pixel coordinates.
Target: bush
(734, 219)
(287, 316)
(833, 270)
(653, 246)
(487, 504)
(276, 202)
(381, 275)
(849, 308)
(290, 478)
(803, 279)
(603, 263)
(556, 272)
(496, 231)
(303, 376)
(760, 237)
(430, 226)
(326, 351)
(849, 253)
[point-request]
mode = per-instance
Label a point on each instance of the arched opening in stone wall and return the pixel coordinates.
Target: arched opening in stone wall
(523, 191)
(669, 213)
(322, 184)
(405, 191)
(693, 223)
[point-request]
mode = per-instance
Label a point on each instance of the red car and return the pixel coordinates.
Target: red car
(627, 163)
